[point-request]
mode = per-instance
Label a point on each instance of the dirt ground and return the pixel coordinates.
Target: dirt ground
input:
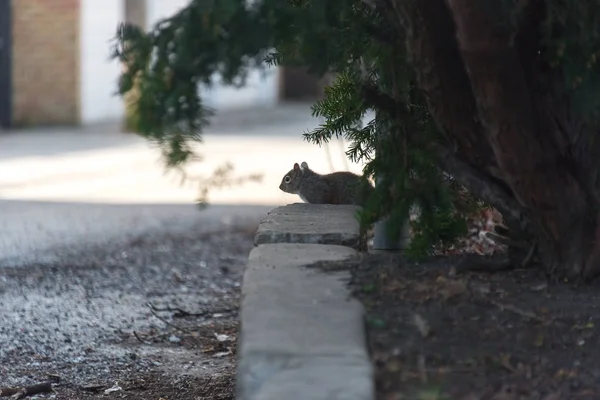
(152, 318)
(434, 334)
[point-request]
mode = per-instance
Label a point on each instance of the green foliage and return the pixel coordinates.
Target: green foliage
(394, 144)
(205, 41)
(168, 63)
(224, 39)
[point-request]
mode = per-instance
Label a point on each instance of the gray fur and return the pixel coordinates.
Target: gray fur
(337, 188)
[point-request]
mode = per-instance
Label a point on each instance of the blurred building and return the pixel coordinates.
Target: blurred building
(55, 67)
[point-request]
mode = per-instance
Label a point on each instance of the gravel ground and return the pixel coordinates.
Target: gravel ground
(147, 317)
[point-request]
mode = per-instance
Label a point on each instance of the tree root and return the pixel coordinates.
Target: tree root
(503, 240)
(523, 313)
(477, 263)
(529, 257)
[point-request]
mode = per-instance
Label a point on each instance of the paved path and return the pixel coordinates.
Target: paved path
(102, 165)
(33, 232)
(61, 187)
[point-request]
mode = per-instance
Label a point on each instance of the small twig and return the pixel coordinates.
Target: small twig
(167, 322)
(25, 391)
(138, 338)
(147, 339)
(208, 382)
(93, 387)
(516, 310)
(180, 313)
(447, 370)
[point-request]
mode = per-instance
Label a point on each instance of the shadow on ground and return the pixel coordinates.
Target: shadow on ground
(504, 336)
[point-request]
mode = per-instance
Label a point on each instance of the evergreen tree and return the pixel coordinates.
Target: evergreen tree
(493, 96)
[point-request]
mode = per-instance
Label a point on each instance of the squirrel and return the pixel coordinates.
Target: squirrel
(336, 188)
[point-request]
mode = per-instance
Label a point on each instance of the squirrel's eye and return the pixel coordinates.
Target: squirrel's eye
(287, 179)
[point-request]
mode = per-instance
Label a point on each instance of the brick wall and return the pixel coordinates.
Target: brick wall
(46, 68)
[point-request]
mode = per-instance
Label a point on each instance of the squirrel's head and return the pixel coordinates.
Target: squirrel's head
(291, 180)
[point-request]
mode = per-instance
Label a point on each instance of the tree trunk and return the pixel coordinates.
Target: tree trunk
(516, 143)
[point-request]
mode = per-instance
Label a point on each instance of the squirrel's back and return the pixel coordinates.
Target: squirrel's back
(347, 187)
(341, 187)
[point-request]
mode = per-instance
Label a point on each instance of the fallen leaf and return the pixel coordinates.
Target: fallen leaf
(539, 340)
(586, 392)
(422, 325)
(422, 287)
(430, 394)
(369, 288)
(451, 288)
(505, 362)
(540, 287)
(376, 322)
(115, 388)
(482, 288)
(552, 396)
(222, 337)
(395, 285)
(393, 366)
(589, 325)
(565, 374)
(506, 392)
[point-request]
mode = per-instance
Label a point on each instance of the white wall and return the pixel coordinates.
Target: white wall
(259, 90)
(99, 20)
(99, 75)
(160, 9)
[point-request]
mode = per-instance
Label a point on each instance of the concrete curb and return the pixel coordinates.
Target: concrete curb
(302, 334)
(310, 223)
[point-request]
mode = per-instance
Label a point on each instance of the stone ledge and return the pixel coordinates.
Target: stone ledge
(311, 223)
(302, 334)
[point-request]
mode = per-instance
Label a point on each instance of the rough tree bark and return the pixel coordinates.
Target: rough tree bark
(515, 141)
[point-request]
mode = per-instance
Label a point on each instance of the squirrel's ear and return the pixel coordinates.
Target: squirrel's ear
(296, 167)
(304, 165)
